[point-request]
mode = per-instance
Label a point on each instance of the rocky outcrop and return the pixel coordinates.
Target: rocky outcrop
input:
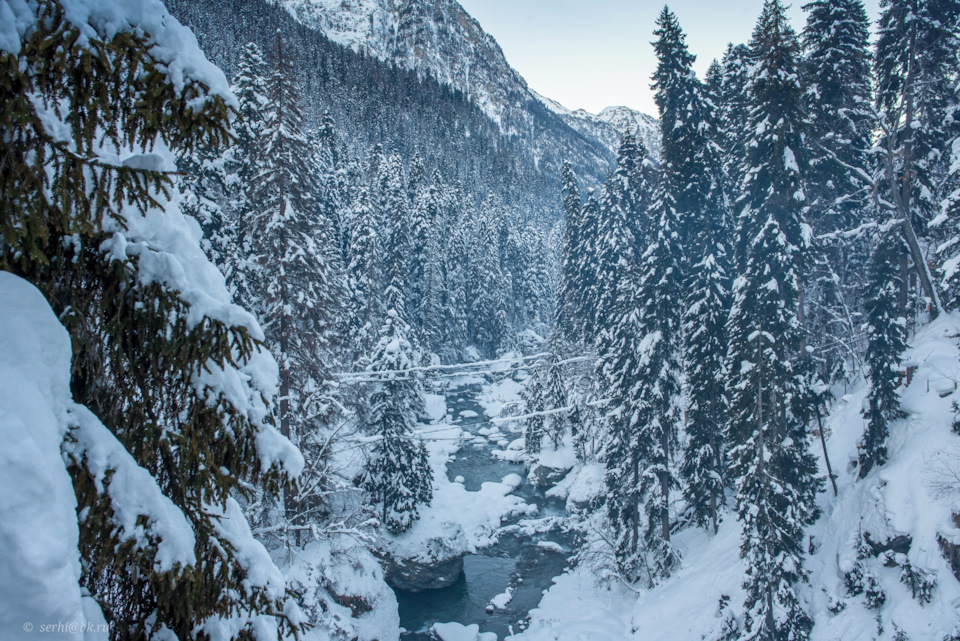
(417, 576)
(437, 562)
(546, 476)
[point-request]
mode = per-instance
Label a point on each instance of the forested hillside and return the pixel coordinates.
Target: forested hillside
(376, 102)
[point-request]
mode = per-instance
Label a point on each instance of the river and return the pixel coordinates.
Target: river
(515, 561)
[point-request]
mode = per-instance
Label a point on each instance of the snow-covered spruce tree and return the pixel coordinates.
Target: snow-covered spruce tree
(425, 215)
(617, 379)
(332, 194)
(167, 368)
(622, 204)
(713, 85)
(692, 178)
(294, 291)
(615, 305)
(569, 289)
(365, 277)
(585, 277)
(886, 342)
(733, 111)
(547, 400)
(772, 469)
(535, 425)
(947, 225)
(535, 288)
(836, 74)
(915, 68)
(250, 87)
(203, 185)
(457, 262)
(397, 474)
(660, 299)
(397, 250)
(487, 320)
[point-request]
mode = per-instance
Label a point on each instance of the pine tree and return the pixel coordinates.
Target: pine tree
(585, 285)
(397, 474)
(547, 400)
(535, 426)
(914, 67)
(659, 298)
(398, 247)
(772, 469)
(569, 291)
(203, 187)
(331, 172)
(886, 342)
(619, 231)
(457, 256)
(713, 84)
(365, 283)
(293, 288)
(618, 368)
(487, 320)
(837, 75)
(425, 215)
(692, 181)
(143, 348)
(250, 87)
(734, 110)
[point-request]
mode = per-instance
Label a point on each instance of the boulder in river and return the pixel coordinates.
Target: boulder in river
(416, 576)
(431, 564)
(543, 475)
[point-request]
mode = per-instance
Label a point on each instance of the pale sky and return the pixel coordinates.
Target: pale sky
(594, 53)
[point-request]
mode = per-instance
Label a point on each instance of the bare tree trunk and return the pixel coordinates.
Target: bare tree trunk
(826, 457)
(665, 485)
(900, 189)
(904, 297)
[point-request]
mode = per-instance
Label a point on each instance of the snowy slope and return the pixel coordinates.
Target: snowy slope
(440, 38)
(916, 495)
(437, 37)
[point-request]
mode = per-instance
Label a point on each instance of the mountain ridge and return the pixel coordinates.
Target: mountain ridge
(442, 39)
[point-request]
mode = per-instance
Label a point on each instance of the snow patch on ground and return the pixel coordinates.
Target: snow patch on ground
(494, 398)
(580, 486)
(435, 406)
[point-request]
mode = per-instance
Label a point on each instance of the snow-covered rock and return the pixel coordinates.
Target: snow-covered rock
(460, 632)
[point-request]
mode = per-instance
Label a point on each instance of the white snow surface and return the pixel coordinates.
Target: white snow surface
(460, 632)
(503, 599)
(39, 557)
(343, 565)
(502, 394)
(457, 520)
(915, 493)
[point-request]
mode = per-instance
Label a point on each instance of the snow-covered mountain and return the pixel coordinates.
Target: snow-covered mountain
(439, 38)
(610, 124)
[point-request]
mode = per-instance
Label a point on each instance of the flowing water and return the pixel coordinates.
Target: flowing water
(515, 561)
